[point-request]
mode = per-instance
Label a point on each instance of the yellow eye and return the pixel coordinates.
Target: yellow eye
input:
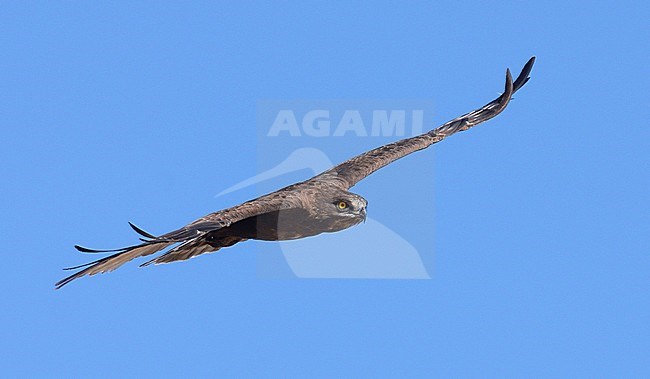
(342, 205)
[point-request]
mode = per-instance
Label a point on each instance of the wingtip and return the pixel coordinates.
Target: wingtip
(63, 282)
(87, 250)
(141, 232)
(509, 84)
(528, 67)
(58, 285)
(84, 249)
(524, 76)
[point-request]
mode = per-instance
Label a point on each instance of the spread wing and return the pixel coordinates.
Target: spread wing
(353, 170)
(191, 240)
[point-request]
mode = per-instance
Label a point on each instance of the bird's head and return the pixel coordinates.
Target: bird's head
(343, 209)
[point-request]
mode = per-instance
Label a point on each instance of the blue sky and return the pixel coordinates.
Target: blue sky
(534, 231)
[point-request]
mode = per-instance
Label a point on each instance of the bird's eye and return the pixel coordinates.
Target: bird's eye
(342, 205)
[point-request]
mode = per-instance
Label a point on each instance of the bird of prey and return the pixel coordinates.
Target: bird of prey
(322, 204)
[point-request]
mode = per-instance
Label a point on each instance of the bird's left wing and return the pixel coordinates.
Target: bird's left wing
(191, 239)
(350, 172)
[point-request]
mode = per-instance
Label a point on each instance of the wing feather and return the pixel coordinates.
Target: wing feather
(184, 251)
(191, 238)
(353, 170)
(112, 262)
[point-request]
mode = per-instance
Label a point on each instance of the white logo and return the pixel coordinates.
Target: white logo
(319, 122)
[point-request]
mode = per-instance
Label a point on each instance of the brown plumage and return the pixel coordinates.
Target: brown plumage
(321, 204)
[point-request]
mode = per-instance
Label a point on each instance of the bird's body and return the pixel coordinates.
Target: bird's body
(322, 204)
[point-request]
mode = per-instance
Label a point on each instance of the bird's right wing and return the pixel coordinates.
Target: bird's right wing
(353, 170)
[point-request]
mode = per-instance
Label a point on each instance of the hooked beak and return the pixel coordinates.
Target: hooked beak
(363, 214)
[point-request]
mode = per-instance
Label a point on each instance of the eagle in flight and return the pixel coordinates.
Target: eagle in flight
(322, 204)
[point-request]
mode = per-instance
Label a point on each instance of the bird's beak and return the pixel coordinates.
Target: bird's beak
(363, 213)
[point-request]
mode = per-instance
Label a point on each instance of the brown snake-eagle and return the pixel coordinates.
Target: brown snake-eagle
(322, 204)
